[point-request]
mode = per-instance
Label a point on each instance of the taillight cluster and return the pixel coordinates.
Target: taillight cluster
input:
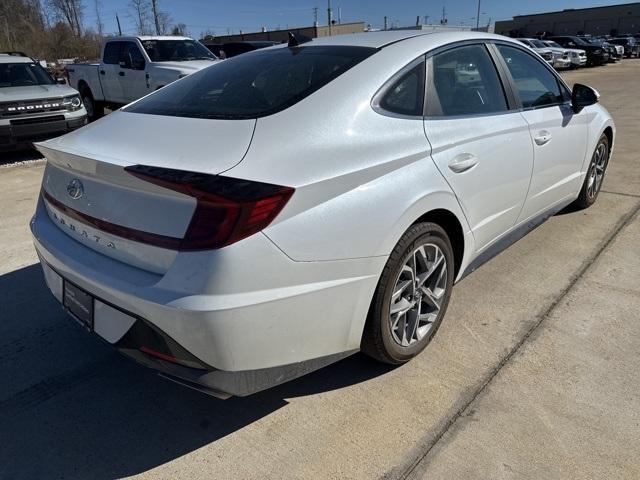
(227, 209)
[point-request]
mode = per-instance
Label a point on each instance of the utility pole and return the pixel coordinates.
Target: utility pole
(386, 22)
(154, 6)
(444, 16)
(119, 28)
(339, 14)
(315, 16)
(329, 15)
(478, 16)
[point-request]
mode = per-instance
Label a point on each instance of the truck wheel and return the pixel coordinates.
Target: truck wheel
(94, 110)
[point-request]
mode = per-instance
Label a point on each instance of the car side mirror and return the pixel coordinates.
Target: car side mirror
(583, 96)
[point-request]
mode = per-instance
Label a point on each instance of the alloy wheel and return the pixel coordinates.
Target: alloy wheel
(596, 170)
(417, 295)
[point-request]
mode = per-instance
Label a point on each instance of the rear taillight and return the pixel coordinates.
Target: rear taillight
(227, 210)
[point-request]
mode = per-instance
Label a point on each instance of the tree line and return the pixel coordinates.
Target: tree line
(57, 29)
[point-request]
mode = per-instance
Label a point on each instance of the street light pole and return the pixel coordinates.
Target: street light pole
(478, 16)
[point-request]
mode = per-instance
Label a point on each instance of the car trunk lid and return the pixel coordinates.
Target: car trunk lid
(91, 197)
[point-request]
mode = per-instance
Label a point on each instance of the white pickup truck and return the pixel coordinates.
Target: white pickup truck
(132, 67)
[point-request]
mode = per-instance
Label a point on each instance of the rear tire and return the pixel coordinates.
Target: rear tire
(595, 174)
(94, 109)
(412, 295)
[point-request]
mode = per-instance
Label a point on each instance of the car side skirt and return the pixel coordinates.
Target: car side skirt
(513, 236)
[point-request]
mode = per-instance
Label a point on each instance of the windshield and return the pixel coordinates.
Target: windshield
(176, 50)
(253, 85)
(23, 75)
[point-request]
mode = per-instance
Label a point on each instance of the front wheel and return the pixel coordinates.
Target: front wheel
(595, 174)
(412, 295)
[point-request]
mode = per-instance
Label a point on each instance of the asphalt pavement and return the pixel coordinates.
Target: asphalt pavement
(532, 375)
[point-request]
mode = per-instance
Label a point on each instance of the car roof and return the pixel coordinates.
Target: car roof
(5, 58)
(388, 37)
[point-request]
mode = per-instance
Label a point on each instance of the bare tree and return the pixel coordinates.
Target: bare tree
(43, 31)
(71, 11)
(140, 14)
(180, 30)
(164, 23)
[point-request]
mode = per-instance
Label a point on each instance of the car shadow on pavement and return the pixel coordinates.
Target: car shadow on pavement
(19, 156)
(72, 407)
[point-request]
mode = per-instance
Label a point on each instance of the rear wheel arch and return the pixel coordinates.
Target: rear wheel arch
(452, 226)
(609, 133)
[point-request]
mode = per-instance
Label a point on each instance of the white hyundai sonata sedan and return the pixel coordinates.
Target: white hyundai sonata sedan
(285, 208)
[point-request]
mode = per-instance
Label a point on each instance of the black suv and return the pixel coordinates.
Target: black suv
(596, 54)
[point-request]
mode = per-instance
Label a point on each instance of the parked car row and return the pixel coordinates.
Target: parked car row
(570, 51)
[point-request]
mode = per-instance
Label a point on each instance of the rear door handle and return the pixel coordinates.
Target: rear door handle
(542, 137)
(463, 162)
(121, 74)
(102, 72)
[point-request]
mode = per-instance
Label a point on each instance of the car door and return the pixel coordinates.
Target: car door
(479, 141)
(109, 70)
(133, 74)
(558, 134)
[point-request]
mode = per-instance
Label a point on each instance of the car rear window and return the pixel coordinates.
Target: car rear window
(253, 85)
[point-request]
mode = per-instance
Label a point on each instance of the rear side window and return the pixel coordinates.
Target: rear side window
(406, 95)
(536, 85)
(253, 85)
(112, 53)
(464, 81)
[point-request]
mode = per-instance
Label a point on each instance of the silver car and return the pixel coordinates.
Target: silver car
(33, 106)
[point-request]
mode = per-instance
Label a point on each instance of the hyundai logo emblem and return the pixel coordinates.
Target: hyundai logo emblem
(75, 189)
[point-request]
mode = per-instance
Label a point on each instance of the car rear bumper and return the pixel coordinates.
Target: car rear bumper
(243, 340)
(28, 130)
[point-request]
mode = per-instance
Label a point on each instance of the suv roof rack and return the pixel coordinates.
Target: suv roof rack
(15, 54)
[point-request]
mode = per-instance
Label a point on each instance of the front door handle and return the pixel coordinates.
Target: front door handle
(121, 74)
(463, 162)
(102, 72)
(542, 137)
